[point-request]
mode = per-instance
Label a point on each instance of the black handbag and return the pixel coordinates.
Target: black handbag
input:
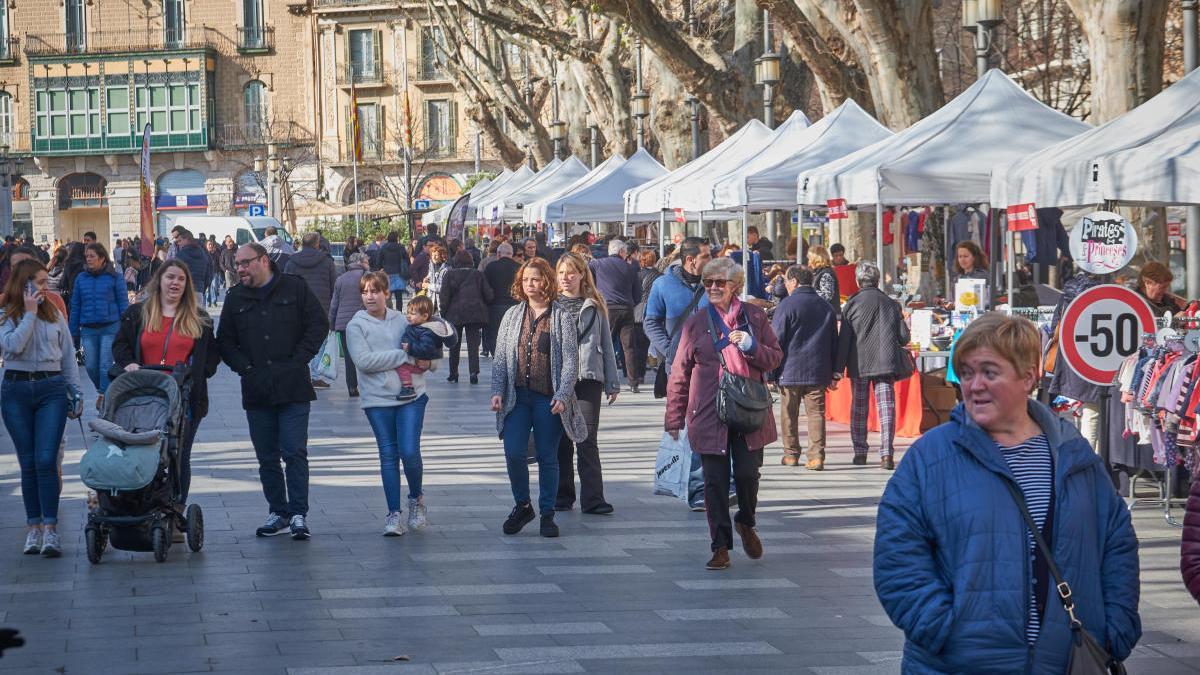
(1088, 657)
(742, 402)
(660, 374)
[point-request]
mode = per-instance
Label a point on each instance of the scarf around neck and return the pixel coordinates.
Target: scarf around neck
(735, 360)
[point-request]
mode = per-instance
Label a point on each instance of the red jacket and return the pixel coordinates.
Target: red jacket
(1189, 562)
(696, 372)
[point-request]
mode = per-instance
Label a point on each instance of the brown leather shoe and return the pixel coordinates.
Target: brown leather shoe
(815, 465)
(719, 560)
(789, 460)
(751, 544)
(887, 463)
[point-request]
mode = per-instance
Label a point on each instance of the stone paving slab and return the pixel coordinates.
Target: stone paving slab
(625, 593)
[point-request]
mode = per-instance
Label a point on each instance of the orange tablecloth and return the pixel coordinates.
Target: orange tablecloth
(908, 406)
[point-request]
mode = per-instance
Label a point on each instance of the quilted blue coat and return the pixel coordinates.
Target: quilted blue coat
(952, 565)
(97, 297)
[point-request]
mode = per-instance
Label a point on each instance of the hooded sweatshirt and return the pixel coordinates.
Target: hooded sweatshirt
(374, 346)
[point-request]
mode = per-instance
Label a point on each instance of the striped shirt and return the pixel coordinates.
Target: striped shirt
(1033, 468)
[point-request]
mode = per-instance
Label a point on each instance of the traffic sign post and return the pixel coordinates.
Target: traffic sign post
(1100, 329)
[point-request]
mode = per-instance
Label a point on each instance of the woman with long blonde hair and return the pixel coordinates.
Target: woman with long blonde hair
(597, 373)
(170, 330)
(825, 281)
(40, 390)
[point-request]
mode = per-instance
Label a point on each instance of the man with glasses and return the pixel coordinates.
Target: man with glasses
(674, 297)
(271, 327)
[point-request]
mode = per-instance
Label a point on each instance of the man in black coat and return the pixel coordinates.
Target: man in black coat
(807, 331)
(500, 274)
(271, 327)
(190, 253)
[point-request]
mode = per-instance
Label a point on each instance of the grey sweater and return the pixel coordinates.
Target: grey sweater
(564, 365)
(35, 345)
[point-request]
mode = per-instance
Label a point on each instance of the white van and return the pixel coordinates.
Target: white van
(243, 229)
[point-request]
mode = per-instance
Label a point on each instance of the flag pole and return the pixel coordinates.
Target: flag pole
(357, 149)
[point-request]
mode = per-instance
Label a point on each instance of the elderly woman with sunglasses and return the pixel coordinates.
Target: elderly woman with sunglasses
(735, 337)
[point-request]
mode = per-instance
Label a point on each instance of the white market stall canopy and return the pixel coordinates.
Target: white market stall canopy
(769, 181)
(1080, 172)
(535, 212)
(697, 193)
(602, 200)
(488, 210)
(946, 157)
(479, 195)
(548, 182)
(646, 202)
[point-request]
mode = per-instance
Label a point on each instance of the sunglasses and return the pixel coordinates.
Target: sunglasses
(719, 283)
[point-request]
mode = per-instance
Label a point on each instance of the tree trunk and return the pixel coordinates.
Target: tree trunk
(1125, 45)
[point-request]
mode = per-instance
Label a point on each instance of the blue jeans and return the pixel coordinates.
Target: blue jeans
(35, 414)
(532, 412)
(97, 352)
(281, 433)
(397, 431)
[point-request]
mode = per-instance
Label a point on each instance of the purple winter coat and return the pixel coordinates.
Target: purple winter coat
(696, 372)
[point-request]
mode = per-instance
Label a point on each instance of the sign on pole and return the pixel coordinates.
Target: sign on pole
(1101, 328)
(1103, 242)
(837, 209)
(256, 210)
(1022, 217)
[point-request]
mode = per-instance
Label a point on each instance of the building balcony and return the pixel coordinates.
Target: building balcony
(249, 136)
(129, 41)
(9, 51)
(363, 77)
(428, 71)
(256, 39)
(334, 5)
(105, 143)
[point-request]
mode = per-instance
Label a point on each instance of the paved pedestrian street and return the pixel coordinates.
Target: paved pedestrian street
(622, 593)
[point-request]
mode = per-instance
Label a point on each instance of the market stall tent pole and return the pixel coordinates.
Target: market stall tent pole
(745, 250)
(879, 238)
(1191, 61)
(662, 225)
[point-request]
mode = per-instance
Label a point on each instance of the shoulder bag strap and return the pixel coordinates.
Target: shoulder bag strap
(687, 312)
(166, 342)
(1060, 585)
(591, 322)
(715, 331)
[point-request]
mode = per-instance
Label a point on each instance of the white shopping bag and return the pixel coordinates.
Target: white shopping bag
(672, 466)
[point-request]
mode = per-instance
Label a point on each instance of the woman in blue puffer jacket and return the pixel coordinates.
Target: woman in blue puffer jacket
(956, 567)
(98, 299)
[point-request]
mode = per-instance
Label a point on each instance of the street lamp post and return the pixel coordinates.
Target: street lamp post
(529, 106)
(980, 18)
(695, 105)
(766, 71)
(594, 139)
(1191, 61)
(272, 169)
(640, 100)
(558, 131)
(10, 171)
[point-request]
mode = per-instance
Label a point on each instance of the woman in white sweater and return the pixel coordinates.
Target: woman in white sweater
(373, 340)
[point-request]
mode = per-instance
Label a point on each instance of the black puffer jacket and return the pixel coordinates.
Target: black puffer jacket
(269, 338)
(318, 271)
(873, 337)
(465, 296)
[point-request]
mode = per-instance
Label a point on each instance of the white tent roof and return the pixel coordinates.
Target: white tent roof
(535, 212)
(647, 201)
(769, 180)
(1061, 175)
(1166, 171)
(698, 192)
(549, 181)
(602, 200)
(438, 216)
(948, 156)
(489, 208)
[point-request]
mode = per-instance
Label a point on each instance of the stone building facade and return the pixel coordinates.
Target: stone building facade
(221, 83)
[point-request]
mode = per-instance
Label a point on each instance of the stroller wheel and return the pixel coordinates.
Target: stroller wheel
(96, 541)
(195, 527)
(160, 540)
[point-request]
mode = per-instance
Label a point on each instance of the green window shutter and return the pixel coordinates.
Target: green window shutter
(377, 42)
(452, 139)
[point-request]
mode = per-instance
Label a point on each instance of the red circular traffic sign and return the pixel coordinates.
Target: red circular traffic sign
(1100, 328)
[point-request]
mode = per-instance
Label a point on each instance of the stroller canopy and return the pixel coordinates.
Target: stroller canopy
(142, 400)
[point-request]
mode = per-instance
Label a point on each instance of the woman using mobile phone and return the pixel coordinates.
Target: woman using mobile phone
(40, 375)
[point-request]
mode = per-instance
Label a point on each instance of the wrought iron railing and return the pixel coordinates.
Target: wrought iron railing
(363, 75)
(238, 136)
(256, 38)
(119, 41)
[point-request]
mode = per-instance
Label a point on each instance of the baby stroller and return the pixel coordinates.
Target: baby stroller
(132, 463)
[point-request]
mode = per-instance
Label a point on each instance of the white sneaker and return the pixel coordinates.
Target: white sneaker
(416, 514)
(394, 526)
(51, 548)
(33, 542)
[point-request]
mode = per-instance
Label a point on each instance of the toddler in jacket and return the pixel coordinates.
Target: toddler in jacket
(423, 339)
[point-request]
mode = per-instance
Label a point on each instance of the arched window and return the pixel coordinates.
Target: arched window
(6, 119)
(82, 190)
(367, 189)
(254, 107)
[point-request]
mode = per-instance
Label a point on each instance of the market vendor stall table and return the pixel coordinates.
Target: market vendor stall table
(908, 406)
